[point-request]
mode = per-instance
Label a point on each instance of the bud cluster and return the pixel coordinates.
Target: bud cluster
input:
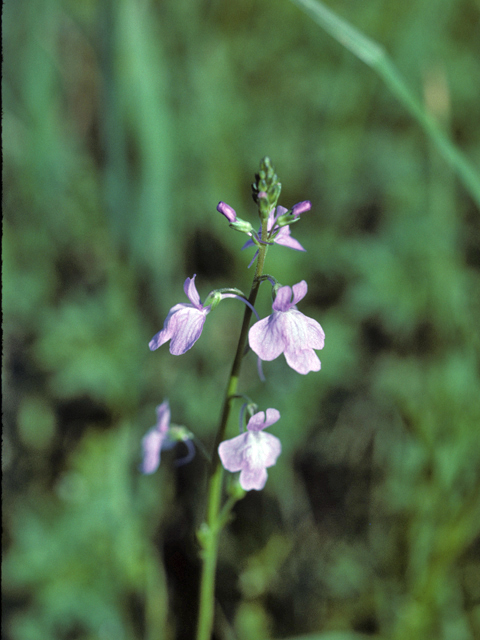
(266, 188)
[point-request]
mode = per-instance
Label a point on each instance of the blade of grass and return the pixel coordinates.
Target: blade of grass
(375, 56)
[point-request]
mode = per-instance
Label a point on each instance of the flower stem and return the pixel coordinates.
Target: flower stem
(210, 531)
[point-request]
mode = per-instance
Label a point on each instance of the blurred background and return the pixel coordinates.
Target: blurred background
(124, 124)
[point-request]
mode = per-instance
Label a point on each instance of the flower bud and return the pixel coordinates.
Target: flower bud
(301, 207)
(227, 211)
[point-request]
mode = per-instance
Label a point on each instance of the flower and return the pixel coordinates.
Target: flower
(164, 436)
(184, 323)
(283, 236)
(253, 451)
(288, 331)
(156, 439)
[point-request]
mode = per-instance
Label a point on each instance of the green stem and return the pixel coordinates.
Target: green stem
(210, 531)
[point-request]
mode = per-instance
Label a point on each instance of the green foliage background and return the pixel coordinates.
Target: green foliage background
(124, 124)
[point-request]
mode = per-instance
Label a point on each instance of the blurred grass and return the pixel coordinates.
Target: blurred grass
(124, 125)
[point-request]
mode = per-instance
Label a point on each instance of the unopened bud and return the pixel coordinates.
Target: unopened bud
(301, 207)
(227, 211)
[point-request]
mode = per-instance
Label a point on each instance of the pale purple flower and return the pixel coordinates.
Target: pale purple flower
(283, 236)
(164, 436)
(184, 323)
(288, 331)
(156, 439)
(253, 451)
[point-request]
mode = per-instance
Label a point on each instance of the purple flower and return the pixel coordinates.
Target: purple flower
(164, 436)
(288, 331)
(253, 451)
(283, 236)
(184, 323)
(156, 439)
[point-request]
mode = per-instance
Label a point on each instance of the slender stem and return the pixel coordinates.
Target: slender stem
(210, 531)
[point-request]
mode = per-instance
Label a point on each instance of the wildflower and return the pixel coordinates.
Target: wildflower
(253, 451)
(184, 323)
(288, 331)
(164, 436)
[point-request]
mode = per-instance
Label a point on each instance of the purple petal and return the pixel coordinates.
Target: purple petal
(283, 298)
(286, 240)
(302, 360)
(186, 328)
(231, 452)
(166, 333)
(265, 337)
(301, 207)
(253, 479)
(152, 445)
(270, 223)
(258, 422)
(248, 243)
(316, 335)
(191, 292)
(299, 291)
(227, 211)
(163, 417)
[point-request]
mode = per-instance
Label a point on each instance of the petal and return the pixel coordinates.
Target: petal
(265, 337)
(166, 333)
(231, 452)
(263, 450)
(302, 360)
(253, 479)
(158, 339)
(273, 415)
(191, 292)
(288, 241)
(296, 330)
(163, 417)
(270, 223)
(299, 291)
(258, 422)
(186, 328)
(283, 298)
(248, 243)
(316, 335)
(152, 445)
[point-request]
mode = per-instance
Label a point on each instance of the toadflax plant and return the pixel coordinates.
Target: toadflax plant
(286, 330)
